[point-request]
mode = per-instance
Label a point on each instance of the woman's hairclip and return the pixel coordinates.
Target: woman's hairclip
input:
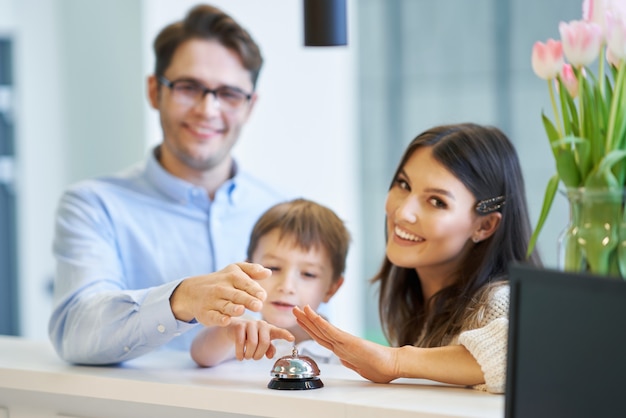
(486, 206)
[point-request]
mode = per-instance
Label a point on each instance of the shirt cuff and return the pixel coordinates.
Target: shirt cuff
(157, 320)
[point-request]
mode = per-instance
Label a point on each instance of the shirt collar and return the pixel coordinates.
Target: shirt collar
(229, 189)
(181, 190)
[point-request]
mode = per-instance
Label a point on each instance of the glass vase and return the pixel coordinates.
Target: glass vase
(594, 240)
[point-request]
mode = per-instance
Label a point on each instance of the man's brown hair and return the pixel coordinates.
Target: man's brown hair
(207, 22)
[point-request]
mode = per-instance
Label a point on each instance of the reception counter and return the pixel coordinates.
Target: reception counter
(34, 382)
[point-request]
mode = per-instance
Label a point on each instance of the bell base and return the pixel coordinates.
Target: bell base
(295, 384)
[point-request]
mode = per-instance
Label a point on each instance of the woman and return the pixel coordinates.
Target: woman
(456, 218)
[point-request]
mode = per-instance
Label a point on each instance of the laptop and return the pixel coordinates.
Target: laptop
(567, 345)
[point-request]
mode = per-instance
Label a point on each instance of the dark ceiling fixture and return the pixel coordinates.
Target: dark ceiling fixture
(325, 23)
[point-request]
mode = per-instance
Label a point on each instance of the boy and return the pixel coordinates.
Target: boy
(305, 246)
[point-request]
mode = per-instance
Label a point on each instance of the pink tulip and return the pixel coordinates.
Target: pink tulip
(594, 11)
(547, 59)
(616, 36)
(581, 41)
(618, 7)
(569, 80)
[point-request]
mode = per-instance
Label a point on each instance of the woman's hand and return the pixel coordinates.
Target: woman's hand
(372, 361)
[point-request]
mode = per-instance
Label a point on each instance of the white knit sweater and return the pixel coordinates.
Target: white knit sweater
(488, 342)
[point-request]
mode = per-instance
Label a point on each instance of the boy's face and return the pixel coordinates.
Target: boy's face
(298, 278)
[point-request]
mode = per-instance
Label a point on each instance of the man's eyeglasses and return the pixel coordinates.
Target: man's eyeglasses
(189, 93)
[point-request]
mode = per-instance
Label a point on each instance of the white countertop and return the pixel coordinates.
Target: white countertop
(35, 382)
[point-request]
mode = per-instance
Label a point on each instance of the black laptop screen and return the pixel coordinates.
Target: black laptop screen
(567, 345)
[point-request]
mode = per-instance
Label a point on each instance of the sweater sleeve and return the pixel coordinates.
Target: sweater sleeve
(488, 343)
(488, 346)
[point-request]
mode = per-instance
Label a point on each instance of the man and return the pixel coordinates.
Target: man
(133, 250)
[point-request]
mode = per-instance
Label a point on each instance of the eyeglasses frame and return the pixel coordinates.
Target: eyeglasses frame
(205, 90)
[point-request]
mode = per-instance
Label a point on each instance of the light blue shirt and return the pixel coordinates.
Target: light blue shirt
(123, 243)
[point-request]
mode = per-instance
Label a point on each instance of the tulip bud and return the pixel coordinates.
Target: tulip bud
(568, 78)
(547, 59)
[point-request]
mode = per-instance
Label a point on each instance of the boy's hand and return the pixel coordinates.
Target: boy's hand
(253, 338)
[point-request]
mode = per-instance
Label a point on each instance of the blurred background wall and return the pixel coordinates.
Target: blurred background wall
(330, 125)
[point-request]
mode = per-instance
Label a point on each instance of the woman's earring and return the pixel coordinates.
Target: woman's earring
(476, 240)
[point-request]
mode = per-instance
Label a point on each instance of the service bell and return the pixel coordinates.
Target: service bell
(295, 373)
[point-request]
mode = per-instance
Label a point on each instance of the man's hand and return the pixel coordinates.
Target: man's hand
(213, 299)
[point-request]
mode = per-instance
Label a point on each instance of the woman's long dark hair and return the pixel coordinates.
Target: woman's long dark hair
(486, 162)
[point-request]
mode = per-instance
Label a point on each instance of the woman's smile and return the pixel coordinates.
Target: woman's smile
(407, 236)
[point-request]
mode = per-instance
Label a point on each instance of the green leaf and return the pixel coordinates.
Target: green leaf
(566, 161)
(573, 112)
(616, 118)
(583, 153)
(551, 190)
(566, 108)
(593, 110)
(602, 176)
(613, 72)
(551, 131)
(608, 93)
(619, 169)
(619, 140)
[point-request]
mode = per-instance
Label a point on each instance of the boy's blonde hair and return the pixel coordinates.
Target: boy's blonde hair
(311, 225)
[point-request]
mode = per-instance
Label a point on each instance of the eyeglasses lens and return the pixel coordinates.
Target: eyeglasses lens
(188, 93)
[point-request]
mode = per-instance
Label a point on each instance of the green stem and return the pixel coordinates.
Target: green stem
(612, 139)
(581, 92)
(601, 72)
(559, 124)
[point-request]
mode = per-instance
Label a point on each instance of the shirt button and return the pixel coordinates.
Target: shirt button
(161, 328)
(127, 349)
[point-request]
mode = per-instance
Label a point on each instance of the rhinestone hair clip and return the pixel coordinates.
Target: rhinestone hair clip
(486, 206)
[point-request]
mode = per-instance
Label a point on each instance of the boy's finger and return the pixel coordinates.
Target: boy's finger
(282, 334)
